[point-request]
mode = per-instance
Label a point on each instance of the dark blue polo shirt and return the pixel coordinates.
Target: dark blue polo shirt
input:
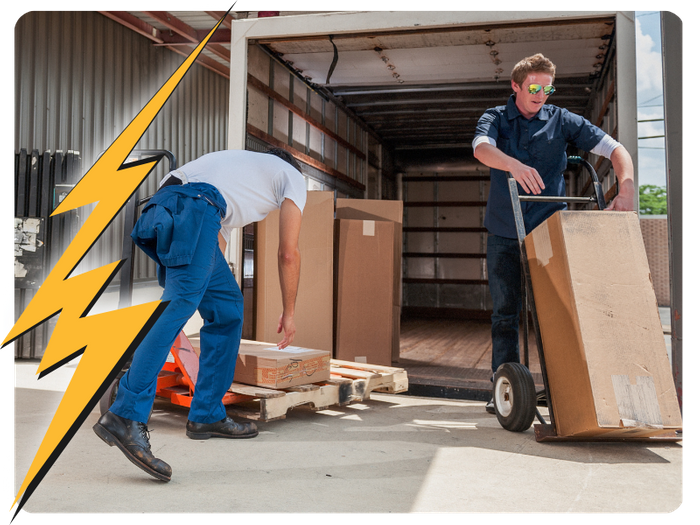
(540, 143)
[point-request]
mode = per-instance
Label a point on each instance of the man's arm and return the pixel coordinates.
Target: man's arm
(624, 171)
(289, 264)
(526, 176)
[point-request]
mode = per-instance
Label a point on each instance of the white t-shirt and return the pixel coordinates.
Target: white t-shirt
(252, 184)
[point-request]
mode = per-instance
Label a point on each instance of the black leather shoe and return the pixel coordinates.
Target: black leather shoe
(131, 437)
(226, 428)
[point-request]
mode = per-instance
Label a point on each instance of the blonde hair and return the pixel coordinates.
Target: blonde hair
(535, 64)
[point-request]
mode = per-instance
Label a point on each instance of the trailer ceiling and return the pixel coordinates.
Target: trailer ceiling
(416, 89)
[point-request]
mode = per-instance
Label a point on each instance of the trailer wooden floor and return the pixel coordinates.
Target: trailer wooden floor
(452, 358)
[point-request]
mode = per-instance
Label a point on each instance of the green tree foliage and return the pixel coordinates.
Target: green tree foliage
(652, 200)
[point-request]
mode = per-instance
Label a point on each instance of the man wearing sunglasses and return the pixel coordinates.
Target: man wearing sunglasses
(528, 139)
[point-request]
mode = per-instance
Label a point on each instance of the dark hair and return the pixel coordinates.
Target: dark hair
(285, 156)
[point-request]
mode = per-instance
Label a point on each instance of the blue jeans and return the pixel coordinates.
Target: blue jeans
(207, 285)
(504, 273)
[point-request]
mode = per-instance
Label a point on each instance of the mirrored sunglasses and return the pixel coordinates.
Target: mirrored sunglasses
(535, 88)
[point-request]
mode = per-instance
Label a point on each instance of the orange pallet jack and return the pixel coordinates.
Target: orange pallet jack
(349, 382)
(178, 377)
(176, 380)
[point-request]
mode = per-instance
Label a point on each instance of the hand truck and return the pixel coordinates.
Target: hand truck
(514, 395)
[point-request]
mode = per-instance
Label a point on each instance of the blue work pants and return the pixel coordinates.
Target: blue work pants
(206, 285)
(504, 274)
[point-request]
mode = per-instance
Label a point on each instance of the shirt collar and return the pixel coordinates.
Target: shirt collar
(514, 112)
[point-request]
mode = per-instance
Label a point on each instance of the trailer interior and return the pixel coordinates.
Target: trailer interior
(415, 94)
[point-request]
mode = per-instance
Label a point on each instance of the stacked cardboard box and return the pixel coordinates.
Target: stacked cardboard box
(368, 280)
(350, 285)
(314, 307)
(605, 353)
(364, 261)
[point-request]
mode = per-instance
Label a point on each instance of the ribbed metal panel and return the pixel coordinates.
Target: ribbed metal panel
(80, 78)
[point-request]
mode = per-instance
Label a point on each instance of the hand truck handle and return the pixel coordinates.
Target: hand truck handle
(598, 197)
(597, 186)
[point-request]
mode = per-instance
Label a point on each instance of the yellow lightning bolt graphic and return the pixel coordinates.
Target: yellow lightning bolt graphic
(105, 340)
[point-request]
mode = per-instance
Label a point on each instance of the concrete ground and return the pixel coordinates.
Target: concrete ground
(390, 454)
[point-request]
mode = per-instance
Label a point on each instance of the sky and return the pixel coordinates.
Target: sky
(651, 156)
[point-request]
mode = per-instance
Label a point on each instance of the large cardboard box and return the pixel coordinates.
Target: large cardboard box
(314, 306)
(382, 210)
(605, 354)
(364, 260)
(263, 364)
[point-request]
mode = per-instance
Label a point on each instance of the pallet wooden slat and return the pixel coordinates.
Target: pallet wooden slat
(380, 378)
(349, 382)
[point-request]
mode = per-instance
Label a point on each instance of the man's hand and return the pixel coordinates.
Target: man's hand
(622, 202)
(222, 244)
(286, 325)
(528, 178)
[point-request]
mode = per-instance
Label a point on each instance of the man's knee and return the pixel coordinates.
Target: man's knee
(224, 313)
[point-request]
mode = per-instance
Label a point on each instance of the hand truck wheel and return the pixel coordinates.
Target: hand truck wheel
(514, 397)
(109, 396)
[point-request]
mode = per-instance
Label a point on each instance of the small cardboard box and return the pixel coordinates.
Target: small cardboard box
(263, 364)
(314, 306)
(605, 354)
(364, 309)
(382, 210)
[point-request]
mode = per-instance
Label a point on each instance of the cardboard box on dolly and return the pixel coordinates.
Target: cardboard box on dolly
(604, 349)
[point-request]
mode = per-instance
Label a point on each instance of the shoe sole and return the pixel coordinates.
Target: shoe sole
(109, 438)
(207, 435)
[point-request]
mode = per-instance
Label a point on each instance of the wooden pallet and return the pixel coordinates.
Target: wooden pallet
(350, 382)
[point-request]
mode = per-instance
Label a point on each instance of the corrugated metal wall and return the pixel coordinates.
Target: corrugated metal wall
(80, 78)
(39, 238)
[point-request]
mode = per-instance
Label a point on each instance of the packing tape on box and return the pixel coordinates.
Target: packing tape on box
(542, 243)
(368, 228)
(637, 404)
